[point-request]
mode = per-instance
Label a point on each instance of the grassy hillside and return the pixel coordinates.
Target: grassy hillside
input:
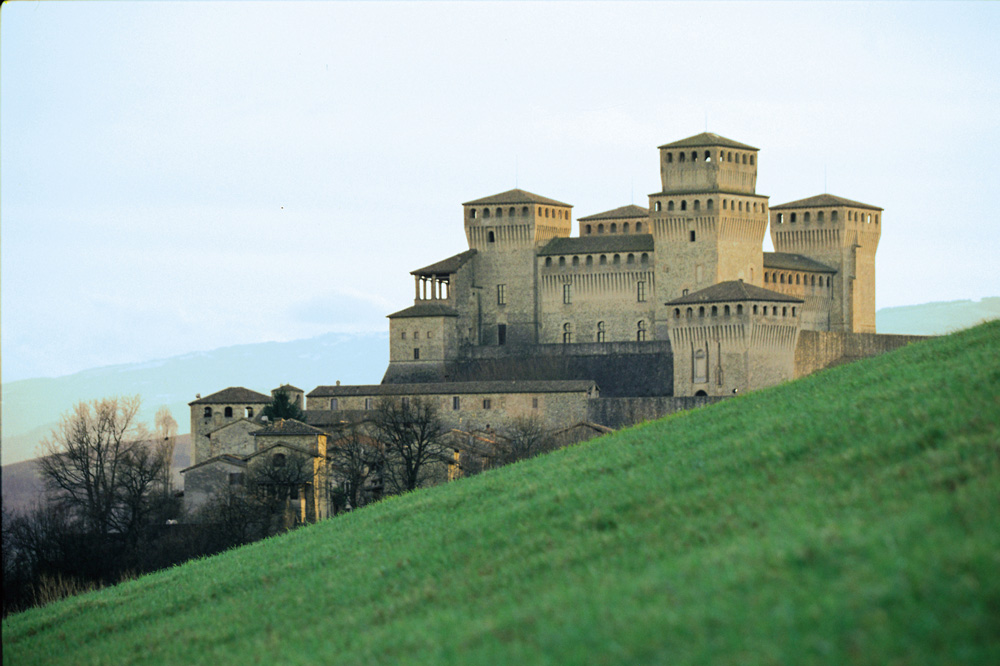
(851, 517)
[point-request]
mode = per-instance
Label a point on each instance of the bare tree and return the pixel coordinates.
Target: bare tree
(411, 435)
(355, 459)
(524, 437)
(100, 464)
(166, 437)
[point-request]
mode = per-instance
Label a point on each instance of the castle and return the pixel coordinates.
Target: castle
(646, 311)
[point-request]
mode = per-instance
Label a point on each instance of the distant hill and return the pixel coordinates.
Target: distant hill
(32, 407)
(936, 318)
(847, 517)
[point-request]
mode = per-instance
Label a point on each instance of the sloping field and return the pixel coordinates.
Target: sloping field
(850, 517)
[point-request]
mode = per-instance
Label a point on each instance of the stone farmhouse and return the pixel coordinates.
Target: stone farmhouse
(646, 311)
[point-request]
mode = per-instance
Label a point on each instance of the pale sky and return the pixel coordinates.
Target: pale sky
(180, 176)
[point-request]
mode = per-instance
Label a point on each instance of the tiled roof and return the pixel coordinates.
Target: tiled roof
(425, 310)
(232, 395)
(708, 139)
(625, 212)
(600, 243)
(733, 290)
(446, 266)
(287, 427)
(224, 458)
(456, 388)
(515, 197)
(824, 201)
(795, 262)
(289, 387)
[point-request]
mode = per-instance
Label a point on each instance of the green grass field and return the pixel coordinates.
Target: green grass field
(850, 517)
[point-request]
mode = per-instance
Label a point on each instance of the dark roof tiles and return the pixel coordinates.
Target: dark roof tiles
(795, 262)
(233, 395)
(733, 290)
(622, 213)
(515, 197)
(708, 139)
(824, 201)
(425, 310)
(599, 243)
(446, 266)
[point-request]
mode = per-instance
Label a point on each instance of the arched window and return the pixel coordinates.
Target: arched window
(782, 278)
(744, 158)
(562, 261)
(805, 217)
(784, 311)
(208, 413)
(617, 260)
(697, 204)
(472, 213)
(547, 212)
(567, 333)
(681, 157)
(694, 155)
(755, 309)
(701, 311)
(600, 331)
(511, 212)
(827, 281)
(576, 261)
(833, 216)
(724, 205)
(876, 218)
(715, 310)
(670, 205)
(813, 281)
(739, 309)
(644, 259)
(614, 228)
(684, 205)
(524, 211)
(677, 313)
(725, 311)
(548, 261)
(604, 260)
(228, 412)
(708, 204)
(657, 206)
(670, 158)
(708, 156)
(729, 157)
(819, 216)
(499, 212)
(640, 333)
(689, 313)
(491, 238)
(793, 310)
(625, 228)
(630, 259)
(248, 412)
(793, 218)
(638, 227)
(486, 212)
(590, 260)
(600, 228)
(740, 206)
(588, 230)
(781, 218)
(869, 218)
(751, 159)
(766, 280)
(797, 276)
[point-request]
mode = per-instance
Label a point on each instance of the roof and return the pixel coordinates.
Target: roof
(288, 387)
(515, 197)
(456, 388)
(233, 394)
(824, 201)
(600, 243)
(287, 427)
(446, 266)
(707, 139)
(224, 458)
(425, 310)
(733, 290)
(621, 213)
(282, 445)
(795, 262)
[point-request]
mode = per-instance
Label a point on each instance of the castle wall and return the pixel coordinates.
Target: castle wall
(623, 412)
(234, 439)
(201, 425)
(822, 349)
(812, 288)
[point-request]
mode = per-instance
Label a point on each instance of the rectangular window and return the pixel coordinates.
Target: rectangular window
(501, 294)
(641, 291)
(486, 403)
(534, 403)
(567, 293)
(456, 403)
(501, 334)
(416, 353)
(333, 403)
(369, 403)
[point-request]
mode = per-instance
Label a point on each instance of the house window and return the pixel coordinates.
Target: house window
(249, 412)
(567, 333)
(641, 291)
(369, 403)
(334, 403)
(456, 403)
(487, 403)
(567, 293)
(640, 333)
(491, 238)
(416, 353)
(692, 235)
(600, 331)
(403, 335)
(229, 412)
(501, 294)
(501, 334)
(534, 403)
(208, 413)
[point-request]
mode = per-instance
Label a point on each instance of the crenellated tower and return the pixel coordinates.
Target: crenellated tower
(708, 218)
(844, 235)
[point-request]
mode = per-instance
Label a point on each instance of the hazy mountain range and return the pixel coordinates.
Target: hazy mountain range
(32, 407)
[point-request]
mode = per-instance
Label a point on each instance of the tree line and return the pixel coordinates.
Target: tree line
(110, 511)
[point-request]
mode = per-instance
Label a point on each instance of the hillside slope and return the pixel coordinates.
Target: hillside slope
(849, 517)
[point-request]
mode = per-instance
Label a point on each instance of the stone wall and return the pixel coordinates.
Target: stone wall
(822, 349)
(623, 412)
